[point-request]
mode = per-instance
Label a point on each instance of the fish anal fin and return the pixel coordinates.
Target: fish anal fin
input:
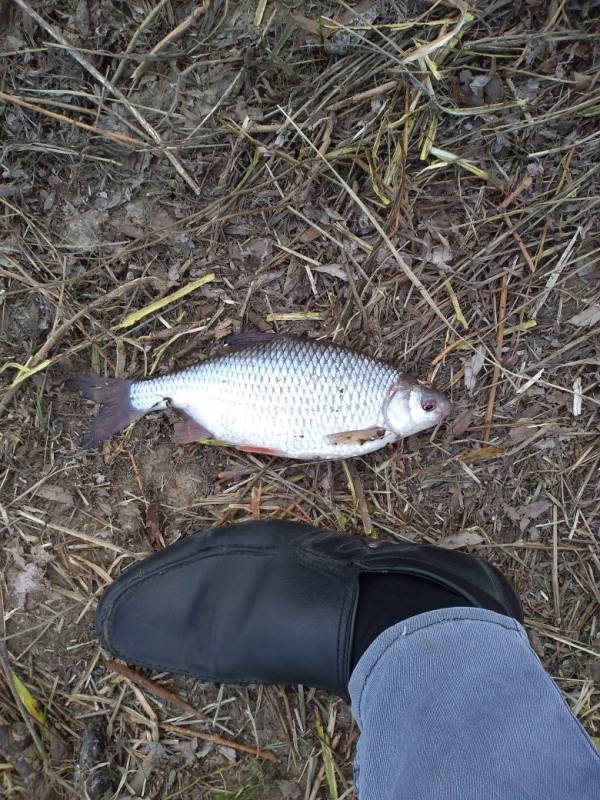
(253, 448)
(241, 341)
(188, 430)
(357, 437)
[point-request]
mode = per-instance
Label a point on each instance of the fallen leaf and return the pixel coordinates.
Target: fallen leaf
(57, 494)
(335, 270)
(28, 700)
(586, 318)
(473, 367)
(534, 510)
(522, 432)
(441, 255)
(289, 790)
(479, 82)
(523, 515)
(582, 81)
(493, 91)
(462, 539)
(153, 526)
(310, 234)
(459, 425)
(26, 576)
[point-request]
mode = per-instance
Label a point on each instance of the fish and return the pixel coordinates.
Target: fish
(278, 395)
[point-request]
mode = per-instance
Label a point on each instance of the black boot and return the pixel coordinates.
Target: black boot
(278, 602)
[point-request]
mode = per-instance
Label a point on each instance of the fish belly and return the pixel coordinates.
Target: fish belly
(288, 402)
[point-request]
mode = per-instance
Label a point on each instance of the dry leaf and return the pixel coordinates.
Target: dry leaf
(478, 82)
(493, 91)
(522, 432)
(441, 255)
(56, 494)
(459, 425)
(582, 81)
(462, 539)
(335, 270)
(28, 700)
(586, 318)
(473, 368)
(26, 575)
(310, 234)
(523, 515)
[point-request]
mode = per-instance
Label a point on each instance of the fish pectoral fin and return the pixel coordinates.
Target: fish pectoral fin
(357, 437)
(187, 430)
(240, 341)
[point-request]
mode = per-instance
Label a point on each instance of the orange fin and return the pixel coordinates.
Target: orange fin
(265, 451)
(187, 430)
(357, 437)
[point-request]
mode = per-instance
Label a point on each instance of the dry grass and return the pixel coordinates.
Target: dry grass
(420, 183)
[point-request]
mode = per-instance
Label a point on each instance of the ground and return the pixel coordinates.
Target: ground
(418, 181)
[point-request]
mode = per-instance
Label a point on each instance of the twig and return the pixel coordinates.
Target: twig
(153, 687)
(358, 490)
(555, 583)
(489, 413)
(113, 89)
(318, 165)
(171, 37)
(208, 737)
(117, 137)
(523, 184)
(358, 98)
(317, 784)
(519, 241)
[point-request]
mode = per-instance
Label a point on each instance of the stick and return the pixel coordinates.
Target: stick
(358, 98)
(153, 687)
(208, 737)
(170, 37)
(117, 137)
(489, 414)
(555, 583)
(113, 89)
(523, 184)
(519, 241)
(359, 493)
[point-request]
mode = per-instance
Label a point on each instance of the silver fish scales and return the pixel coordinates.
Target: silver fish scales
(280, 395)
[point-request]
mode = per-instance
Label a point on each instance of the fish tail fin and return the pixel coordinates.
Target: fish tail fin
(116, 411)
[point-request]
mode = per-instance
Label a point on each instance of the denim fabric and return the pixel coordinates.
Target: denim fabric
(455, 705)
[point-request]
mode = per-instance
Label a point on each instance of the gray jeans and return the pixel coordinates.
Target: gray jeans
(455, 705)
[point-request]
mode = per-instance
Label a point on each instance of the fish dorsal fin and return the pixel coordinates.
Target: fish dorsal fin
(357, 437)
(241, 341)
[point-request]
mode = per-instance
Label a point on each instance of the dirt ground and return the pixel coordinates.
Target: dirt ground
(416, 180)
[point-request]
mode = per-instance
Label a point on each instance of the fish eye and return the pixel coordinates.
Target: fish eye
(428, 404)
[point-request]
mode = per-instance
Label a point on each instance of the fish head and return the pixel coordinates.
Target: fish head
(412, 407)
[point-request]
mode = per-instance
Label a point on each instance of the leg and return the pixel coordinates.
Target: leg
(454, 704)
